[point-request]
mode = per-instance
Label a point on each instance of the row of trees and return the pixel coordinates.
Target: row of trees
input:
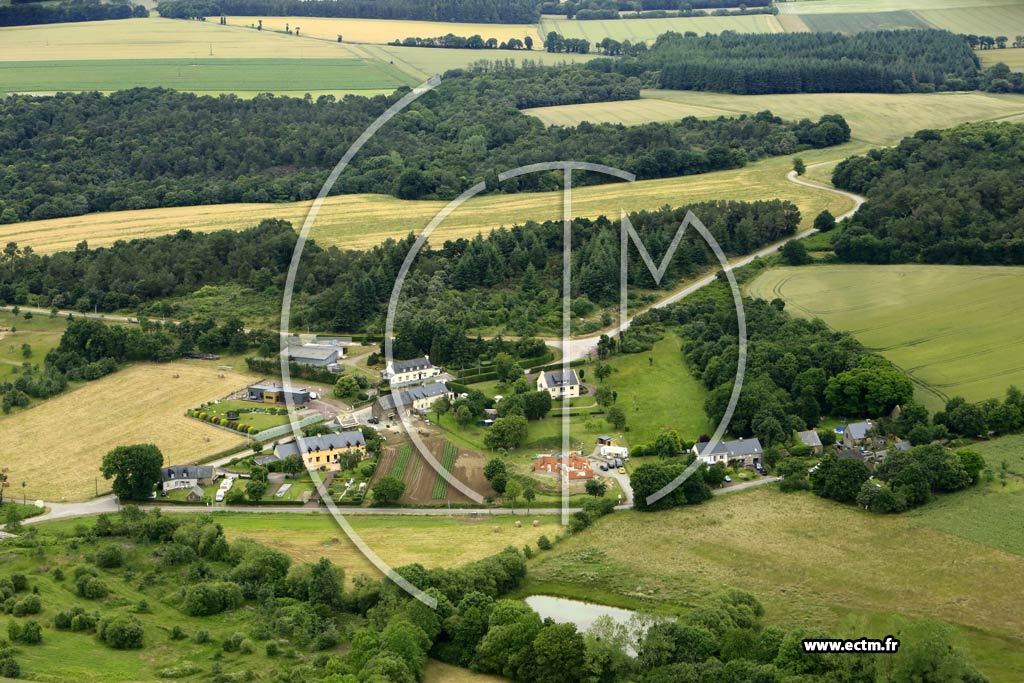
(474, 42)
(469, 11)
(573, 7)
(949, 196)
(22, 14)
(747, 64)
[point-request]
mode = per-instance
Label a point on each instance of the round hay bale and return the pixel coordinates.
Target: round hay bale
(497, 529)
(536, 523)
(519, 525)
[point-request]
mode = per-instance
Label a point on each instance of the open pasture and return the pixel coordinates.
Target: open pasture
(873, 118)
(917, 317)
(203, 75)
(996, 18)
(855, 22)
(646, 30)
(57, 445)
(1013, 58)
(785, 549)
(153, 38)
(844, 6)
(363, 220)
(433, 541)
(383, 30)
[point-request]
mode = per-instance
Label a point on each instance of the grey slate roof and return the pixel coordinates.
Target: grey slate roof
(264, 460)
(422, 363)
(859, 430)
(810, 438)
(557, 378)
(186, 472)
(314, 352)
(903, 445)
(405, 397)
(739, 448)
(853, 453)
(324, 442)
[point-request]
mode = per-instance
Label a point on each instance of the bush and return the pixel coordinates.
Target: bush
(543, 543)
(92, 588)
(794, 482)
(30, 604)
(109, 557)
(9, 668)
(84, 622)
(29, 633)
(272, 649)
(233, 643)
(122, 633)
(19, 582)
(246, 647)
(211, 597)
(177, 633)
(201, 637)
(58, 574)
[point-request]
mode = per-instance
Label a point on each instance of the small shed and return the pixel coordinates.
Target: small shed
(195, 495)
(605, 441)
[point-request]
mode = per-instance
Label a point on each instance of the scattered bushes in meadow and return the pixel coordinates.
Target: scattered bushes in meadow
(121, 632)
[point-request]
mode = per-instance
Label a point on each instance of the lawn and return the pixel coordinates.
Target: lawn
(812, 562)
(385, 30)
(873, 118)
(57, 445)
(910, 315)
(364, 220)
(646, 30)
(250, 413)
(657, 395)
(433, 541)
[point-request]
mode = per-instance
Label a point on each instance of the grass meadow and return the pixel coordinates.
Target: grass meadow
(1013, 58)
(40, 332)
(646, 30)
(363, 220)
(786, 550)
(873, 118)
(204, 75)
(57, 445)
(868, 21)
(904, 313)
(867, 6)
(995, 18)
(384, 30)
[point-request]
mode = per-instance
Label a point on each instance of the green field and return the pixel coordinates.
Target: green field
(210, 75)
(250, 413)
(873, 118)
(40, 332)
(658, 395)
(946, 326)
(646, 30)
(447, 462)
(866, 21)
(837, 6)
(786, 550)
(997, 18)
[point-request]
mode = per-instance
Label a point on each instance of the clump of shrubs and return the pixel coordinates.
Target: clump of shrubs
(109, 557)
(211, 597)
(76, 619)
(28, 633)
(121, 632)
(201, 637)
(544, 543)
(30, 604)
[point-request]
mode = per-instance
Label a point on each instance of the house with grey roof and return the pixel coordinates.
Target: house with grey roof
(743, 451)
(559, 383)
(320, 355)
(417, 399)
(413, 371)
(811, 439)
(185, 477)
(272, 392)
(856, 433)
(323, 452)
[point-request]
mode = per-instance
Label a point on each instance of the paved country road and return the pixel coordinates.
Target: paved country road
(109, 504)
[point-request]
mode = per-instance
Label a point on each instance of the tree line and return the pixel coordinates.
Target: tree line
(23, 14)
(225, 149)
(612, 8)
(468, 11)
(949, 196)
(474, 42)
(747, 64)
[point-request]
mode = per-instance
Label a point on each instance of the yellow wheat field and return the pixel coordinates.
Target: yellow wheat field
(384, 30)
(363, 220)
(57, 445)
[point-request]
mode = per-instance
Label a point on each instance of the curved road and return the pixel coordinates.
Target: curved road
(582, 346)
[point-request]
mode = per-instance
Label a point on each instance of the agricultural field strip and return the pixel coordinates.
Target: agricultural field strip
(401, 463)
(447, 462)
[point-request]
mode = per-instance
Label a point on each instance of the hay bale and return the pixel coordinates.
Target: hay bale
(536, 523)
(519, 525)
(497, 529)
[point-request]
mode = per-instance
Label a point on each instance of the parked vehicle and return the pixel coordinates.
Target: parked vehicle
(373, 421)
(728, 479)
(622, 470)
(604, 468)
(220, 496)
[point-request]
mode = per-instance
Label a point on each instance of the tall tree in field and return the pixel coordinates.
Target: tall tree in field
(135, 470)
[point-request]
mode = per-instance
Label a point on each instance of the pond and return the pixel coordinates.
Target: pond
(583, 614)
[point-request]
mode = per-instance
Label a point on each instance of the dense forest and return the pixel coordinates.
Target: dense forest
(509, 279)
(75, 153)
(750, 64)
(23, 14)
(954, 196)
(469, 11)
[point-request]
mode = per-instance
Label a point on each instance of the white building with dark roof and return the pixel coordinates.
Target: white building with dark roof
(413, 371)
(404, 401)
(559, 384)
(745, 451)
(185, 477)
(322, 452)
